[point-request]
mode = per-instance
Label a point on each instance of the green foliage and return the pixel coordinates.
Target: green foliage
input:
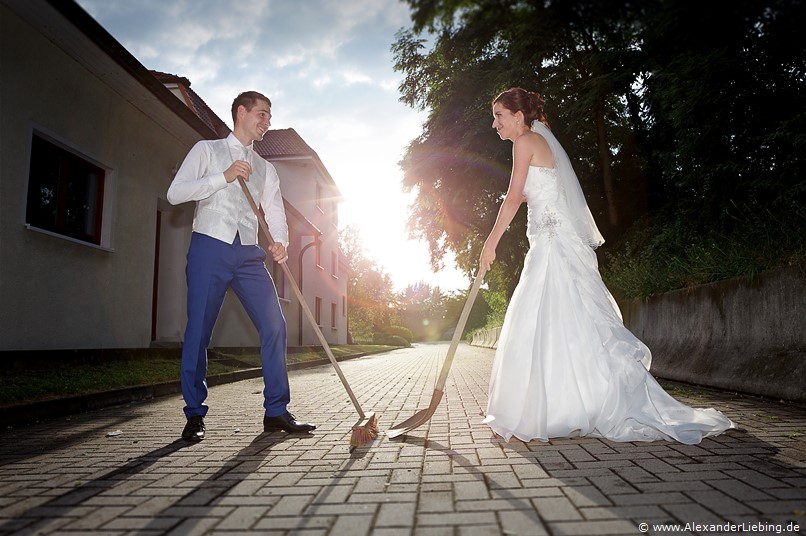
(497, 302)
(369, 290)
(391, 340)
(395, 331)
(694, 136)
(360, 330)
(728, 111)
(45, 379)
(667, 254)
(459, 168)
(423, 311)
(476, 318)
(59, 374)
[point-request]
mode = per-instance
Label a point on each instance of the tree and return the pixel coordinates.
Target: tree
(369, 290)
(580, 55)
(478, 317)
(422, 310)
(728, 108)
(663, 116)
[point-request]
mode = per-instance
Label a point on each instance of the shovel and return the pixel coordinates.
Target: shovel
(423, 416)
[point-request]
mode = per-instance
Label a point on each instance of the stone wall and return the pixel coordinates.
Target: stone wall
(739, 335)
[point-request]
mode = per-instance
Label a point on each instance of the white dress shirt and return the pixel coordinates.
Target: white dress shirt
(222, 209)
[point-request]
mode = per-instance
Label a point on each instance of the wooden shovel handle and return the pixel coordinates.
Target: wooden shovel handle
(460, 327)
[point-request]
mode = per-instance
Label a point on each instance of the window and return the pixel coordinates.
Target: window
(334, 264)
(318, 250)
(333, 315)
(344, 306)
(319, 197)
(65, 192)
(318, 312)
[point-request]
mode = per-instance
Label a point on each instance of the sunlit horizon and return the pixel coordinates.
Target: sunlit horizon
(407, 262)
(366, 171)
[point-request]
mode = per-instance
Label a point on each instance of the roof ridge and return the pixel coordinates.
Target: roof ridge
(195, 101)
(284, 142)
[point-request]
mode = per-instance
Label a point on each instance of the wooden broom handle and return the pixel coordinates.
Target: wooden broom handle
(301, 299)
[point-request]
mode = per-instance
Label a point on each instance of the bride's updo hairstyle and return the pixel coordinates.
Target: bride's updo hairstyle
(517, 99)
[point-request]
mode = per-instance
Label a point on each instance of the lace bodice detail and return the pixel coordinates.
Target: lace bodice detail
(543, 195)
(541, 185)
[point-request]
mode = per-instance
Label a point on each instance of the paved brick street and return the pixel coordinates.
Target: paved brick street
(122, 470)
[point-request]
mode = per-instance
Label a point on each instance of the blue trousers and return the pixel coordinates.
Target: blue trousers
(214, 266)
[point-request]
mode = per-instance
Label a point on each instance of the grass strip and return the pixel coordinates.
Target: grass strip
(47, 379)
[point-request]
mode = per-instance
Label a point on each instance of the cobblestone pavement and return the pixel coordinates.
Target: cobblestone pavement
(122, 470)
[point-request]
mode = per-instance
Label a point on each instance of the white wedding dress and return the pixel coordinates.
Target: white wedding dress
(565, 364)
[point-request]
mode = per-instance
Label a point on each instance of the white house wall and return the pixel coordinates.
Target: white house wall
(57, 293)
(297, 182)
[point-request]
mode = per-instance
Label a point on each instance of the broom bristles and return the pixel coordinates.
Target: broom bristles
(366, 433)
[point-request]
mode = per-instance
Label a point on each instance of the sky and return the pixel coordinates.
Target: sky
(328, 69)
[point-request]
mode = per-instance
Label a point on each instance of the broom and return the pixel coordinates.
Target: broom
(366, 429)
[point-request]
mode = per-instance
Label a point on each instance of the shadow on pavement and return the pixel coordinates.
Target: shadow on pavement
(188, 512)
(62, 505)
(735, 478)
(40, 443)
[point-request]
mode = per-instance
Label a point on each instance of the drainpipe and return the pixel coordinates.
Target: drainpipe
(299, 312)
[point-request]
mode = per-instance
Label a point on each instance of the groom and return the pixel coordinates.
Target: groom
(224, 253)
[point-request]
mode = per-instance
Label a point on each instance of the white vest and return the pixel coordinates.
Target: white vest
(227, 211)
(222, 209)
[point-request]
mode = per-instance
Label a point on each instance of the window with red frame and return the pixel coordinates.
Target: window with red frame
(65, 192)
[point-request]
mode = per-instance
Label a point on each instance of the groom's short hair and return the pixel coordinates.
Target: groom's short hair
(247, 99)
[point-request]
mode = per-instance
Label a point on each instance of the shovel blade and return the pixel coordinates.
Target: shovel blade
(418, 419)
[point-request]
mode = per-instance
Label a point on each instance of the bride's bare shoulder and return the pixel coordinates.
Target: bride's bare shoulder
(537, 146)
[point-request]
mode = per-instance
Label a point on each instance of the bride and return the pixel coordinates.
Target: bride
(565, 364)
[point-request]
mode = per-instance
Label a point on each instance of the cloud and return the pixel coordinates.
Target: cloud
(323, 62)
(390, 84)
(208, 39)
(322, 81)
(354, 76)
(294, 57)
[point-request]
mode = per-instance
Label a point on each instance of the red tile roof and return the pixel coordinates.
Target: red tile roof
(275, 145)
(283, 143)
(286, 143)
(194, 102)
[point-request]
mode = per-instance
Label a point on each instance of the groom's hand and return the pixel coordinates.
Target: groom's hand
(238, 168)
(278, 253)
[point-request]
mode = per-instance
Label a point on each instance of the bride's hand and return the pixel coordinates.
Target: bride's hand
(487, 257)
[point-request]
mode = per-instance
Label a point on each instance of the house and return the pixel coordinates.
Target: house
(91, 253)
(316, 262)
(312, 209)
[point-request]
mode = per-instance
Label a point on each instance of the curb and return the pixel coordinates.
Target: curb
(61, 407)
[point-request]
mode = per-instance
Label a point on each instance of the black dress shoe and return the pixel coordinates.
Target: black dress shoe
(287, 422)
(194, 429)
